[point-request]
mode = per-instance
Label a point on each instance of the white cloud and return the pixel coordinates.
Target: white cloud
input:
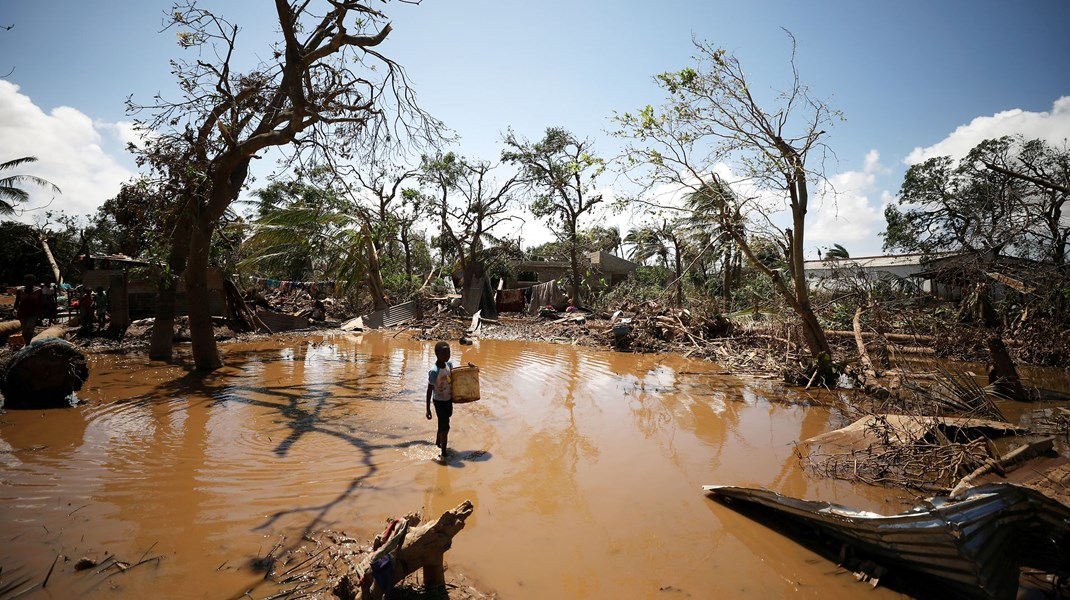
(125, 132)
(69, 150)
(1053, 127)
(845, 215)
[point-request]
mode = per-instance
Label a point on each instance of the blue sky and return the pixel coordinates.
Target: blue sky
(913, 79)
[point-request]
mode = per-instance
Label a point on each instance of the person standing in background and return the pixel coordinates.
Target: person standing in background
(28, 307)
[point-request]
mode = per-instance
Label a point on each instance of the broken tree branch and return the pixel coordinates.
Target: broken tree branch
(1019, 454)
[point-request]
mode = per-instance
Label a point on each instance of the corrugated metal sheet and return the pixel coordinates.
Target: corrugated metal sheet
(388, 317)
(278, 322)
(973, 548)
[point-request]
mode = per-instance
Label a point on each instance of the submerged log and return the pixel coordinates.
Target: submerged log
(44, 373)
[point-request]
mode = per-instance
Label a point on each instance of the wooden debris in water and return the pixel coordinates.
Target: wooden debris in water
(333, 564)
(924, 453)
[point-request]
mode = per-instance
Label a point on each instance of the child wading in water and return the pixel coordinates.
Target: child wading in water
(439, 387)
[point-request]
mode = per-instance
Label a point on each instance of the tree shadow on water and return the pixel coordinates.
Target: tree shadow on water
(306, 409)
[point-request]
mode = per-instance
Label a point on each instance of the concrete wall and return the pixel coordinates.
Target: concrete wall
(141, 293)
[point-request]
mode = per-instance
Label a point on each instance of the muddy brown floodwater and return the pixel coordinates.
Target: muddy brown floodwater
(585, 468)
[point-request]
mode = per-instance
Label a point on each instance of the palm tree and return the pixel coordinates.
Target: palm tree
(310, 240)
(11, 193)
(837, 252)
(715, 216)
(667, 236)
(646, 243)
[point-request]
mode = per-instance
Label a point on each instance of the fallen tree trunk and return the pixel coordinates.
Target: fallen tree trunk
(908, 338)
(55, 331)
(423, 548)
(894, 349)
(869, 374)
(51, 258)
(9, 328)
(44, 373)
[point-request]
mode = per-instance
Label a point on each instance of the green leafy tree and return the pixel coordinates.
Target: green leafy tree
(716, 221)
(469, 204)
(20, 253)
(1042, 171)
(952, 208)
(662, 239)
(135, 221)
(561, 169)
(605, 239)
(11, 186)
(293, 235)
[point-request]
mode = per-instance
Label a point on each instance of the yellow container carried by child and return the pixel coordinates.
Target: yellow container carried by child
(465, 384)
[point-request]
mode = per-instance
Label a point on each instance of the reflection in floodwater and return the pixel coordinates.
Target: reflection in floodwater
(585, 468)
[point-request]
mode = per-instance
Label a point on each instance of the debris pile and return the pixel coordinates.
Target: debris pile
(333, 564)
(911, 451)
(300, 302)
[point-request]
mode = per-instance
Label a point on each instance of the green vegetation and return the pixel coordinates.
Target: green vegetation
(11, 191)
(376, 196)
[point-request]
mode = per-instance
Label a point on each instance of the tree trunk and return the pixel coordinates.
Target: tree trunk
(813, 333)
(163, 327)
(423, 548)
(51, 259)
(375, 273)
(1003, 375)
(408, 254)
(812, 330)
(679, 276)
(201, 332)
(727, 269)
(573, 255)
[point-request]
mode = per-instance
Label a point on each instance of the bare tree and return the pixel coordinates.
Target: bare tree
(323, 88)
(468, 201)
(710, 117)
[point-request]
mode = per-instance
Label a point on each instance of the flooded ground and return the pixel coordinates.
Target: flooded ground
(585, 468)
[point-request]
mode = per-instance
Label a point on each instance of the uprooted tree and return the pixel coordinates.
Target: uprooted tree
(711, 117)
(323, 88)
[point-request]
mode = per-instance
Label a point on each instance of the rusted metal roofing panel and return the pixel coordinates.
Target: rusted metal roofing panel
(972, 548)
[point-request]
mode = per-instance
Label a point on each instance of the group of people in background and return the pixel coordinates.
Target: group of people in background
(92, 308)
(41, 304)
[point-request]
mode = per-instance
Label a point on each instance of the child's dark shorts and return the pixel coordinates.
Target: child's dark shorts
(443, 410)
